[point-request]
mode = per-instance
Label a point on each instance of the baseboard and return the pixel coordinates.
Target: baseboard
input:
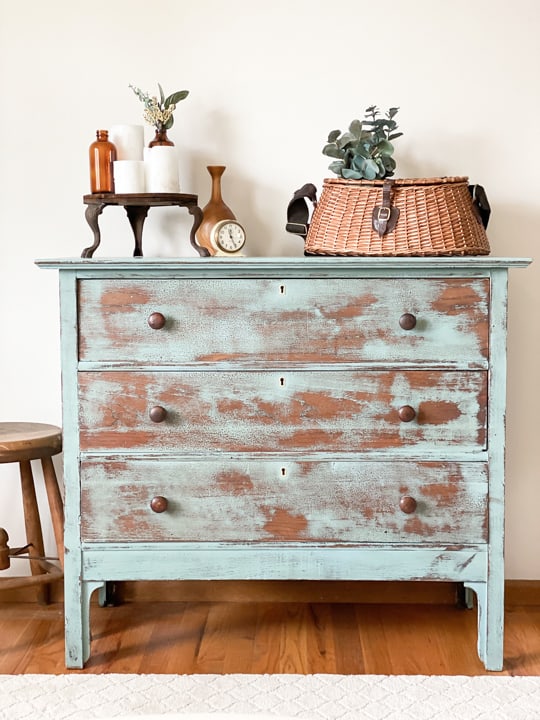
(522, 592)
(518, 592)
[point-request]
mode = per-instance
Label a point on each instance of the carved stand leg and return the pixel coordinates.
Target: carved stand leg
(91, 214)
(137, 215)
(197, 220)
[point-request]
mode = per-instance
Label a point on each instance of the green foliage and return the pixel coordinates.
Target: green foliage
(365, 150)
(160, 112)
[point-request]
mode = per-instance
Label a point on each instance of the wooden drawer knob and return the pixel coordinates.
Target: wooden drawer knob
(406, 413)
(158, 414)
(407, 504)
(407, 321)
(159, 504)
(156, 321)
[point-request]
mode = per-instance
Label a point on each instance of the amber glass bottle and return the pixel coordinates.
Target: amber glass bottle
(102, 156)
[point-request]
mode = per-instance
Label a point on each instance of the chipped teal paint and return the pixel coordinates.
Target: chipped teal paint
(275, 411)
(297, 323)
(236, 501)
(280, 321)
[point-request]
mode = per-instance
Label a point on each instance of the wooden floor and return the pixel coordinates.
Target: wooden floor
(264, 637)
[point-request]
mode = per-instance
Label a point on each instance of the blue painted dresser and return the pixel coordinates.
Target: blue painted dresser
(284, 418)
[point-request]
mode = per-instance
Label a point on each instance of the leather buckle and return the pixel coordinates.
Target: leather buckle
(383, 214)
(384, 219)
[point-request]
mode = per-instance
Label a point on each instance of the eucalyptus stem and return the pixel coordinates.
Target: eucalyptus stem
(365, 150)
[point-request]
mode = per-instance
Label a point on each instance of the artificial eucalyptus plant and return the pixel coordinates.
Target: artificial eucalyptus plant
(365, 150)
(159, 113)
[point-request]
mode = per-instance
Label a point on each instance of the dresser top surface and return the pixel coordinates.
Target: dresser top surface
(312, 264)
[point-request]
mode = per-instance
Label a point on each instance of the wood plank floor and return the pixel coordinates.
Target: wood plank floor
(267, 637)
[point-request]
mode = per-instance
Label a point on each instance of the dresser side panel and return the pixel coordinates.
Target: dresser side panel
(491, 623)
(74, 607)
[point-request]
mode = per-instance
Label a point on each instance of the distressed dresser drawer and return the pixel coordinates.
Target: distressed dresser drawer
(271, 320)
(352, 411)
(257, 501)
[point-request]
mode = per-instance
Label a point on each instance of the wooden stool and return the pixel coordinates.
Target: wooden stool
(22, 442)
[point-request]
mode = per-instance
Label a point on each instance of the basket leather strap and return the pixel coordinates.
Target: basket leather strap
(298, 210)
(480, 203)
(385, 216)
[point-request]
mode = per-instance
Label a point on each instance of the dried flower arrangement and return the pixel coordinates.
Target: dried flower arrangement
(159, 113)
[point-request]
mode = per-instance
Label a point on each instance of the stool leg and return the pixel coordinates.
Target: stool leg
(56, 505)
(34, 534)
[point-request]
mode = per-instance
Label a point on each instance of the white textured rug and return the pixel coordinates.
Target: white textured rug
(278, 697)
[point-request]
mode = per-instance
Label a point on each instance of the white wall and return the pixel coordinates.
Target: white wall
(267, 81)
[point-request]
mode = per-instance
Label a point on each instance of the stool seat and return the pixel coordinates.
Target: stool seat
(28, 441)
(22, 442)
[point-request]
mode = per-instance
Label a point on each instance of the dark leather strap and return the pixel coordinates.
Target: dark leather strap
(298, 210)
(385, 216)
(480, 203)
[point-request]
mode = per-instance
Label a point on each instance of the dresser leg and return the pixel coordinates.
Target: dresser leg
(109, 595)
(78, 625)
(464, 597)
(490, 626)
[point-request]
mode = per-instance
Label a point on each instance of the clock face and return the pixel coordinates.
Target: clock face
(229, 236)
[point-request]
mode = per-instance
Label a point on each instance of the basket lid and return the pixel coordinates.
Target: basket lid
(445, 180)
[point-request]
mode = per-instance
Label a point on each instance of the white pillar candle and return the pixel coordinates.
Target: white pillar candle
(146, 158)
(128, 176)
(128, 141)
(162, 169)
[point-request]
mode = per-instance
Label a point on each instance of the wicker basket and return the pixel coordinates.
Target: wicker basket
(437, 216)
